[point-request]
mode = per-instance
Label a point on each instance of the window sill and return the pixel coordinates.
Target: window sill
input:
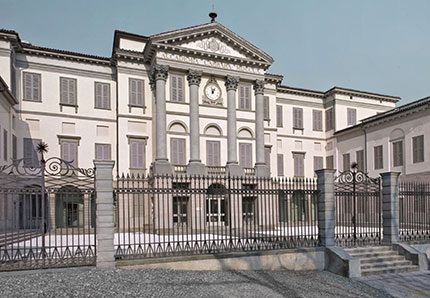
(298, 128)
(32, 100)
(245, 110)
(178, 102)
(130, 107)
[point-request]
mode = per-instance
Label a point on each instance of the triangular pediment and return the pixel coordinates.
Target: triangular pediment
(214, 39)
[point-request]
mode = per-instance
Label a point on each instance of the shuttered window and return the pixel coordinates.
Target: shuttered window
(398, 153)
(136, 92)
(346, 162)
(14, 147)
(245, 155)
(299, 165)
(102, 96)
(137, 154)
(5, 145)
(177, 151)
(378, 157)
(103, 151)
(266, 108)
(267, 156)
(352, 116)
(177, 88)
(359, 155)
(329, 160)
(279, 118)
(31, 157)
(245, 98)
(317, 120)
(298, 118)
(280, 164)
(418, 149)
(318, 163)
(32, 86)
(213, 153)
(68, 91)
(329, 125)
(69, 152)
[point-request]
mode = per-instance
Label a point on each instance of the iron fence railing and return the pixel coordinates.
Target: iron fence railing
(414, 211)
(178, 215)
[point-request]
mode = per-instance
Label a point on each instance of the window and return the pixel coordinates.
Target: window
(267, 156)
(14, 147)
(137, 154)
(136, 92)
(177, 151)
(180, 210)
(248, 209)
(298, 118)
(68, 92)
(213, 153)
(266, 108)
(317, 120)
(418, 149)
(346, 162)
(280, 159)
(5, 145)
(329, 119)
(245, 155)
(279, 120)
(329, 160)
(102, 95)
(103, 152)
(378, 157)
(398, 153)
(31, 157)
(244, 98)
(69, 151)
(13, 122)
(318, 163)
(32, 86)
(177, 88)
(359, 155)
(299, 164)
(352, 116)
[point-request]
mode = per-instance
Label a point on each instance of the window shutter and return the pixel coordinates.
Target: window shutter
(280, 164)
(181, 151)
(28, 86)
(317, 120)
(330, 162)
(267, 156)
(247, 98)
(99, 91)
(133, 92)
(209, 153)
(279, 119)
(72, 91)
(139, 93)
(106, 96)
(245, 155)
(174, 86)
(346, 162)
(216, 153)
(36, 87)
(174, 151)
(318, 163)
(64, 94)
(14, 147)
(5, 144)
(300, 116)
(134, 153)
(180, 81)
(140, 155)
(360, 160)
(28, 152)
(266, 108)
(298, 165)
(99, 152)
(241, 97)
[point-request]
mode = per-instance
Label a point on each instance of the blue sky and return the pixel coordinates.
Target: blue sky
(379, 46)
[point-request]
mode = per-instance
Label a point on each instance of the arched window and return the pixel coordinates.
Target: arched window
(69, 207)
(177, 127)
(213, 130)
(245, 133)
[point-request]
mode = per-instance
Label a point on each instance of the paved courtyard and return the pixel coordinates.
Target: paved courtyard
(86, 282)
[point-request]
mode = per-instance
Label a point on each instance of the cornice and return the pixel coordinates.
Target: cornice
(299, 91)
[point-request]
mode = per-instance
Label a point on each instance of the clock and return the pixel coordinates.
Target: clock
(212, 91)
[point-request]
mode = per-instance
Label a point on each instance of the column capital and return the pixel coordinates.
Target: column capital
(194, 77)
(160, 72)
(231, 82)
(259, 87)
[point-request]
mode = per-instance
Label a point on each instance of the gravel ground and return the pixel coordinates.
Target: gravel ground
(88, 282)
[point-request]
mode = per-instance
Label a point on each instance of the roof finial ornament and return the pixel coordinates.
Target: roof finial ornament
(213, 14)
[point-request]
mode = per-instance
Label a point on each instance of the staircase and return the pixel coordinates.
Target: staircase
(381, 260)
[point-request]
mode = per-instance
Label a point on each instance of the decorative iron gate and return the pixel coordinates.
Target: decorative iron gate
(358, 201)
(47, 215)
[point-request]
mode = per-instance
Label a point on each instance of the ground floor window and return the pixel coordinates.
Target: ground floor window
(248, 210)
(180, 210)
(30, 209)
(216, 205)
(69, 208)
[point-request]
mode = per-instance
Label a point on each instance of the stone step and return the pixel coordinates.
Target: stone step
(395, 269)
(367, 249)
(385, 264)
(381, 259)
(378, 254)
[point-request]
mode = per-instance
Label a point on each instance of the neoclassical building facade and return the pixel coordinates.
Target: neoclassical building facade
(198, 100)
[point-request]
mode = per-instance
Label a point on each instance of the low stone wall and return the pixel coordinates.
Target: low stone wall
(423, 248)
(291, 259)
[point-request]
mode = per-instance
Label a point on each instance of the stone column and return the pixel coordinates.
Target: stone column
(161, 164)
(390, 207)
(104, 214)
(261, 169)
(326, 207)
(195, 166)
(233, 168)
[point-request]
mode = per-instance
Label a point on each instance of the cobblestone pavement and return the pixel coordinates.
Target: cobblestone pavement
(86, 282)
(413, 284)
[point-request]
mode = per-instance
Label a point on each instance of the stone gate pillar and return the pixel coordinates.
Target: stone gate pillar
(390, 207)
(326, 207)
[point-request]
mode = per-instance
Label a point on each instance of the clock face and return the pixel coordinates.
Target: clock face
(212, 92)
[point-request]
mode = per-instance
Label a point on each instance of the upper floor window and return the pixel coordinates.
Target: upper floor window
(69, 151)
(279, 120)
(378, 157)
(213, 153)
(352, 116)
(329, 121)
(136, 92)
(298, 118)
(31, 157)
(137, 153)
(177, 88)
(102, 95)
(317, 120)
(32, 86)
(68, 92)
(346, 162)
(359, 155)
(398, 153)
(14, 147)
(244, 97)
(177, 151)
(280, 160)
(299, 164)
(103, 151)
(329, 160)
(418, 149)
(318, 163)
(245, 155)
(266, 108)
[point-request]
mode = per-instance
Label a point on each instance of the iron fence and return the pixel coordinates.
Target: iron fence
(179, 215)
(47, 216)
(414, 211)
(358, 205)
